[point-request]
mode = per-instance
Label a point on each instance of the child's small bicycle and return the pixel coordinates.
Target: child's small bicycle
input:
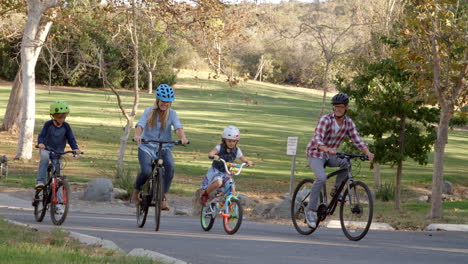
(56, 191)
(224, 203)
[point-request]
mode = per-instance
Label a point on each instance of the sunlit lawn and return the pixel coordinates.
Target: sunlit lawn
(265, 113)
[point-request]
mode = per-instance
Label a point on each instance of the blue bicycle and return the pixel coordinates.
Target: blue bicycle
(224, 203)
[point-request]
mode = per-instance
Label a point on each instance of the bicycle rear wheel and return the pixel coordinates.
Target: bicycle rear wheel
(299, 203)
(234, 221)
(142, 209)
(356, 211)
(59, 208)
(158, 196)
(40, 204)
(207, 217)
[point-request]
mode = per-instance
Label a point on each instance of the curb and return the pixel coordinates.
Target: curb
(374, 225)
(447, 227)
(92, 240)
(154, 255)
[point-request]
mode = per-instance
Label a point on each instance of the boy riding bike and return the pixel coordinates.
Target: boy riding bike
(217, 176)
(55, 134)
(321, 150)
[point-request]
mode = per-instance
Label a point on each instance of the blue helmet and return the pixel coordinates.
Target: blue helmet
(165, 93)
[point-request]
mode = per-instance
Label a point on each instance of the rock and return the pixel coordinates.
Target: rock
(118, 193)
(423, 198)
(182, 211)
(447, 188)
(99, 189)
(196, 207)
(282, 209)
(263, 209)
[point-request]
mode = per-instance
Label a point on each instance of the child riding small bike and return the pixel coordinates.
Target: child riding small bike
(217, 176)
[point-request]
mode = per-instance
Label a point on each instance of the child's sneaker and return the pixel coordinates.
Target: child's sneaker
(204, 198)
(39, 185)
(59, 209)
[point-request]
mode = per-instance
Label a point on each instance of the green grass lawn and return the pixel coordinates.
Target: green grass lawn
(265, 113)
(20, 245)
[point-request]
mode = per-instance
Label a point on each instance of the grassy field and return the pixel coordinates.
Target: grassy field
(26, 245)
(265, 113)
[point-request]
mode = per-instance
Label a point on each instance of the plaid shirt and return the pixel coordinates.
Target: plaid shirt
(325, 135)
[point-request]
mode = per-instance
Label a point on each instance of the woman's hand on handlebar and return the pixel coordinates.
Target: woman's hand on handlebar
(184, 141)
(137, 139)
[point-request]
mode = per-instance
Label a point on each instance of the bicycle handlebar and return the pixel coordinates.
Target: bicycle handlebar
(228, 165)
(342, 155)
(61, 153)
(175, 142)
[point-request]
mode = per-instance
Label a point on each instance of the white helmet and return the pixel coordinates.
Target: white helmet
(231, 132)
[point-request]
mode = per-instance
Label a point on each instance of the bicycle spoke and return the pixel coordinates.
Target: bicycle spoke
(299, 205)
(233, 222)
(356, 211)
(59, 208)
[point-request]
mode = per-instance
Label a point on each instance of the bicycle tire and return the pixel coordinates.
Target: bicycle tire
(206, 217)
(299, 203)
(142, 210)
(40, 204)
(232, 223)
(158, 196)
(63, 199)
(356, 220)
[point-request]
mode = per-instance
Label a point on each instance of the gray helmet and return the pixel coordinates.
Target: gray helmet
(340, 98)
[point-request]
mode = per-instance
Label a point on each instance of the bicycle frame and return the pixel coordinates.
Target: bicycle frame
(228, 195)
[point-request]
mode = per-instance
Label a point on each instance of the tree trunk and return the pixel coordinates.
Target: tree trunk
(401, 146)
(150, 82)
(439, 153)
(13, 110)
(136, 72)
(31, 44)
(325, 87)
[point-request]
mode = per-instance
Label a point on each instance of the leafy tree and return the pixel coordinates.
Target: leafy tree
(434, 46)
(389, 110)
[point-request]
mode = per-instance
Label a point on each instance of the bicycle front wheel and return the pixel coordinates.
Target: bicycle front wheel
(59, 208)
(158, 196)
(232, 222)
(40, 204)
(356, 211)
(299, 204)
(207, 217)
(142, 210)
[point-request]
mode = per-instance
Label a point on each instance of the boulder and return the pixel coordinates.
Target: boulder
(99, 189)
(447, 188)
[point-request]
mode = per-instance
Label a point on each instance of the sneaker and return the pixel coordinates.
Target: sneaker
(204, 198)
(39, 185)
(59, 209)
(310, 218)
(165, 205)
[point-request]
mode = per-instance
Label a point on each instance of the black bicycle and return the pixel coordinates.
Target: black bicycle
(154, 191)
(56, 191)
(355, 198)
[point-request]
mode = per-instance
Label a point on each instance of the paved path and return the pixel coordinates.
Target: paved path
(183, 239)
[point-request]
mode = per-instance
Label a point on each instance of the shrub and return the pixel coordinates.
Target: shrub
(385, 192)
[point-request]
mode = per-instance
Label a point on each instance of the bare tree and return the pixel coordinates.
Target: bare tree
(31, 45)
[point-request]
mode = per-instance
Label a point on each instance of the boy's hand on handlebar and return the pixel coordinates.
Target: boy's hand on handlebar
(41, 146)
(77, 151)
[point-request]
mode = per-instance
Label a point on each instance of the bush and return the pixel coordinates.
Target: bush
(124, 180)
(385, 192)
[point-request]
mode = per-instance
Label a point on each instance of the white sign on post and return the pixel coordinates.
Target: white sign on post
(292, 146)
(291, 150)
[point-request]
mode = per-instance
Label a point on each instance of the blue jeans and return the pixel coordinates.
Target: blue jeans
(318, 167)
(146, 169)
(43, 164)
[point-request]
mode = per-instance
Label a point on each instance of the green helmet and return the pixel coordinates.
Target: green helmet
(59, 107)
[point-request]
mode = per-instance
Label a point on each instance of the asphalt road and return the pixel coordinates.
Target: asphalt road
(182, 238)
